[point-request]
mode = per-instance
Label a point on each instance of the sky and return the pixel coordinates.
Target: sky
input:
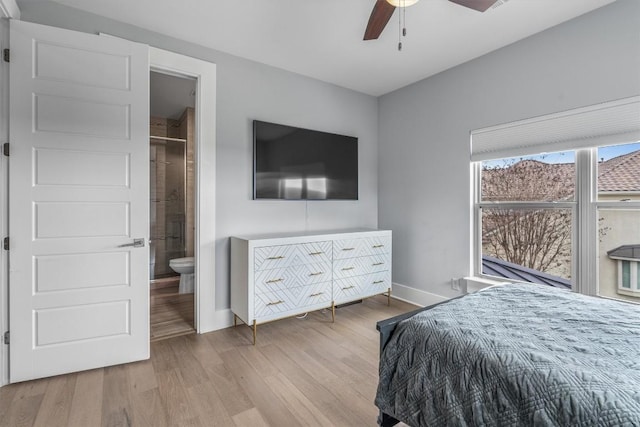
(604, 153)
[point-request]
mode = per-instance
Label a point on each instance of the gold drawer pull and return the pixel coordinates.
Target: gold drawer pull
(275, 303)
(276, 257)
(348, 287)
(378, 281)
(317, 294)
(377, 246)
(348, 249)
(348, 268)
(316, 253)
(316, 274)
(275, 280)
(377, 263)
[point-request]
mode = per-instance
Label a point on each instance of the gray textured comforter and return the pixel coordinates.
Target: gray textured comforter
(515, 355)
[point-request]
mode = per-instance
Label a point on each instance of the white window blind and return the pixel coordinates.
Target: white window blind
(608, 123)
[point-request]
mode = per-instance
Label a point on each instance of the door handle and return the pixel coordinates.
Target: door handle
(137, 243)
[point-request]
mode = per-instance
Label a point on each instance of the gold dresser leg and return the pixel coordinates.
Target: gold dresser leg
(255, 331)
(389, 297)
(235, 320)
(333, 312)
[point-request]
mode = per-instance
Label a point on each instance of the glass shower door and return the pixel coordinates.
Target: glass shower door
(167, 204)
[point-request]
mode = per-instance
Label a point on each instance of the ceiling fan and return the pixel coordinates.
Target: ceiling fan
(383, 9)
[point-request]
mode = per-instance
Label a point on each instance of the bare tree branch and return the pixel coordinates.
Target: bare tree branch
(534, 238)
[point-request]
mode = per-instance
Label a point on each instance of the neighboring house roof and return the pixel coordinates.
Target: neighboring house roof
(625, 252)
(620, 173)
(499, 268)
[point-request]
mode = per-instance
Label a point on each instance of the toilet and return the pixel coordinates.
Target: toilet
(185, 267)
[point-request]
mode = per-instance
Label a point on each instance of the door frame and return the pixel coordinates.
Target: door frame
(8, 10)
(166, 62)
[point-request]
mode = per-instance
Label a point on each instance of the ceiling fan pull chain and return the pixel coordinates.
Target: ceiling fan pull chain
(399, 30)
(404, 20)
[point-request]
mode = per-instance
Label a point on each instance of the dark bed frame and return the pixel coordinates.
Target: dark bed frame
(386, 328)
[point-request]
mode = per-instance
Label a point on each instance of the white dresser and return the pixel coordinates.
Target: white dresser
(278, 276)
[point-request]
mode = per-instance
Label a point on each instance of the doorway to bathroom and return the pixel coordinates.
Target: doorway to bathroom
(172, 205)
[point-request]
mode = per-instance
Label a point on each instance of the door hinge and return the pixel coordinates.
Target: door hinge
(5, 244)
(5, 149)
(6, 337)
(6, 55)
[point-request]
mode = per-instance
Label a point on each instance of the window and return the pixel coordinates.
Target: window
(540, 218)
(557, 199)
(527, 208)
(628, 277)
(618, 212)
(625, 278)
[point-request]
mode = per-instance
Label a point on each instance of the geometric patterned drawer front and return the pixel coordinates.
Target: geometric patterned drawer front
(291, 299)
(378, 245)
(274, 256)
(350, 267)
(291, 277)
(349, 248)
(353, 248)
(354, 288)
(315, 252)
(269, 257)
(380, 262)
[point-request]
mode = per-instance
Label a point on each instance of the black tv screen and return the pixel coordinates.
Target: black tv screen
(302, 164)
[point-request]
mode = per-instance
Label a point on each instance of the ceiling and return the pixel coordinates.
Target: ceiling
(323, 38)
(170, 95)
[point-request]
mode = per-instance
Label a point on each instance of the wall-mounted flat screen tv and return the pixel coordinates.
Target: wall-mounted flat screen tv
(302, 164)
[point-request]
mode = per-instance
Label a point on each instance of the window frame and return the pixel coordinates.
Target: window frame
(634, 277)
(478, 205)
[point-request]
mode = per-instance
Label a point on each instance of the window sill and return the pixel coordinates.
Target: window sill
(476, 283)
(628, 292)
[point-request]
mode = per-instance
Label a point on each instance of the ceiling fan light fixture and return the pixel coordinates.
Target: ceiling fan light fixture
(402, 3)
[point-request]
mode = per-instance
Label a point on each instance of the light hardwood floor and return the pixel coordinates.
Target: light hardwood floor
(171, 313)
(302, 372)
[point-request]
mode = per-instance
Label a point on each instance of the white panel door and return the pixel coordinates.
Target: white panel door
(79, 190)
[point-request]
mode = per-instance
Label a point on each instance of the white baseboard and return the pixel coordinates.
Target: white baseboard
(415, 296)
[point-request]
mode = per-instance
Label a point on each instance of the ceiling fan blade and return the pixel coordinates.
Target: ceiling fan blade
(479, 5)
(380, 15)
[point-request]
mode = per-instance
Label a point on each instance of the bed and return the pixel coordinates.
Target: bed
(512, 355)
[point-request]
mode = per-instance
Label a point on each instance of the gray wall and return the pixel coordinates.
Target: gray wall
(424, 173)
(247, 90)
